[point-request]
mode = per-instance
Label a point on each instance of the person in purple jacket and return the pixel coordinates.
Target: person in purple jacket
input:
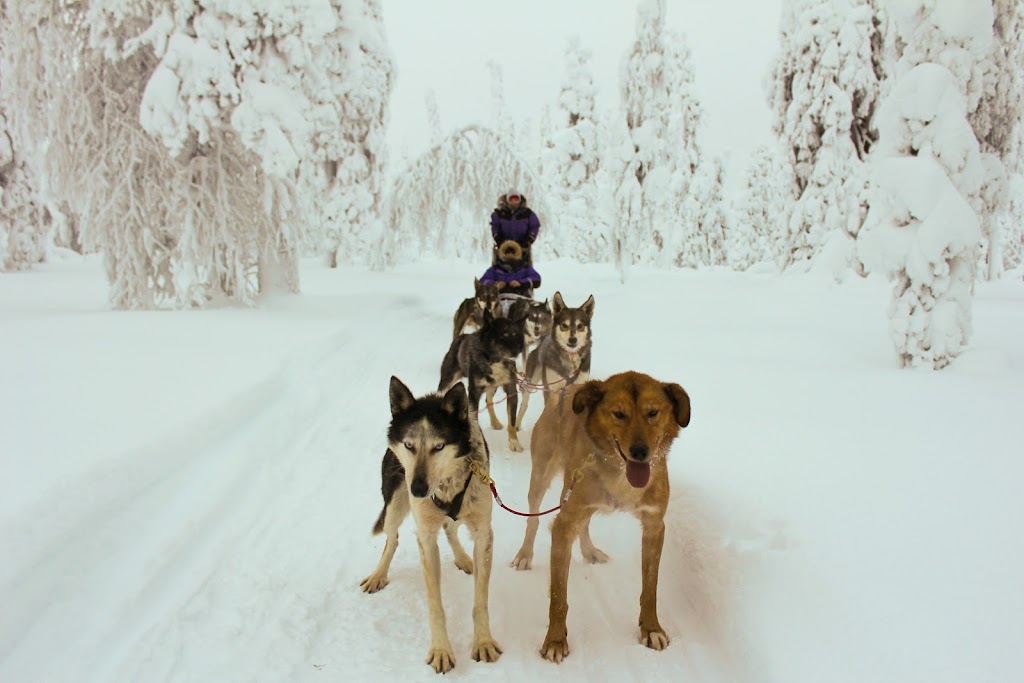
(514, 220)
(512, 274)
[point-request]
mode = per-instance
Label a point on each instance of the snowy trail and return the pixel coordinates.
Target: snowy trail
(260, 562)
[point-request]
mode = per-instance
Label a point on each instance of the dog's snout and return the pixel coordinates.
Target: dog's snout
(572, 341)
(418, 487)
(639, 451)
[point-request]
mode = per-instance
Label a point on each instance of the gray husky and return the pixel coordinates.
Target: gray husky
(433, 442)
(538, 321)
(562, 358)
(486, 359)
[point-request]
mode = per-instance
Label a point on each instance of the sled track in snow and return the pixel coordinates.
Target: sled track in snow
(144, 532)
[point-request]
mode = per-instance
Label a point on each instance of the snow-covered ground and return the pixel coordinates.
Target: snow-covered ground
(188, 496)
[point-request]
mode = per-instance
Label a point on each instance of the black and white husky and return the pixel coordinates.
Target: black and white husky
(562, 358)
(432, 444)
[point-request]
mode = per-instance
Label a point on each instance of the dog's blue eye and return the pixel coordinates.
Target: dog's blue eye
(439, 447)
(408, 446)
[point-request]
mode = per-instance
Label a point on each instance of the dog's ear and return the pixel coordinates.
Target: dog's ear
(556, 303)
(401, 397)
(589, 395)
(588, 306)
(681, 400)
(456, 402)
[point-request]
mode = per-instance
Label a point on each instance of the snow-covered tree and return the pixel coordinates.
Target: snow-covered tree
(669, 203)
(345, 174)
(571, 163)
(997, 125)
(757, 233)
(442, 203)
(823, 91)
(704, 219)
(22, 231)
(175, 130)
(923, 227)
(624, 202)
(662, 117)
(1011, 224)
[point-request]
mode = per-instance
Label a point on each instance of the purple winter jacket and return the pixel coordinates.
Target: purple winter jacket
(521, 225)
(506, 273)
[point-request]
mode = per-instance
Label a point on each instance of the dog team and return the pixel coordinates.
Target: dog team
(608, 439)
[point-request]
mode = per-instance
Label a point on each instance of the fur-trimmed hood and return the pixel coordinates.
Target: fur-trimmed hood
(503, 203)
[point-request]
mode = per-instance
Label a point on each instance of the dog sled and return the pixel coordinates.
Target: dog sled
(505, 301)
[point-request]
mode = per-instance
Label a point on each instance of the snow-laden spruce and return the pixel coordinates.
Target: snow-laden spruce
(923, 227)
(572, 165)
(342, 177)
(760, 207)
(823, 90)
(997, 123)
(704, 230)
(662, 119)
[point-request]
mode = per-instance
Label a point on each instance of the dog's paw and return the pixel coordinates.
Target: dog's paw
(555, 649)
(496, 425)
(373, 583)
(442, 659)
(595, 556)
(656, 640)
(514, 445)
(486, 650)
(464, 562)
(522, 563)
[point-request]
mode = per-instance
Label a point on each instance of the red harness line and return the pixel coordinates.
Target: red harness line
(577, 474)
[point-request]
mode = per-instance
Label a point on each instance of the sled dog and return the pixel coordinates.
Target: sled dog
(617, 433)
(538, 321)
(486, 359)
(470, 312)
(562, 357)
(432, 442)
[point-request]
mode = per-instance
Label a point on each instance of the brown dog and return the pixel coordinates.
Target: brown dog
(613, 438)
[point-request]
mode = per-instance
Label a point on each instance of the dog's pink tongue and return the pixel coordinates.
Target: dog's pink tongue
(638, 473)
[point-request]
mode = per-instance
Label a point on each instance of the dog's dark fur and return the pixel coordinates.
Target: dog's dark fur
(426, 470)
(486, 359)
(471, 311)
(562, 358)
(617, 434)
(538, 321)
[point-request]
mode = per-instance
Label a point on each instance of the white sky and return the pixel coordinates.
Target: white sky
(445, 45)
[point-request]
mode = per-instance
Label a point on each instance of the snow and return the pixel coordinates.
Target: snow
(188, 496)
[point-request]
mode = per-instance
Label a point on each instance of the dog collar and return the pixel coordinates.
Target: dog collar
(454, 506)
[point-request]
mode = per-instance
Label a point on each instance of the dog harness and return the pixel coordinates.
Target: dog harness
(454, 506)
